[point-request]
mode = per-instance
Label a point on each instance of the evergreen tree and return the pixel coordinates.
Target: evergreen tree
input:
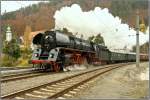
(99, 39)
(65, 31)
(12, 49)
(91, 38)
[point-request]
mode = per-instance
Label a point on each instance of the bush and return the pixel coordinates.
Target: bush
(26, 53)
(8, 61)
(22, 62)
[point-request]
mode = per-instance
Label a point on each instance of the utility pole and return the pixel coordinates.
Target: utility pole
(137, 40)
(1, 42)
(149, 35)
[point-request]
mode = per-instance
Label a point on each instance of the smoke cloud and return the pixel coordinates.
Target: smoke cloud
(116, 34)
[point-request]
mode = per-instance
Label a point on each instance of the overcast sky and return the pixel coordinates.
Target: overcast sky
(15, 5)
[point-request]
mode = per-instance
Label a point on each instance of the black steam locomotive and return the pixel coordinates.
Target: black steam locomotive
(56, 50)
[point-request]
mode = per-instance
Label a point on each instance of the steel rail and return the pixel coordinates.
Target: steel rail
(21, 76)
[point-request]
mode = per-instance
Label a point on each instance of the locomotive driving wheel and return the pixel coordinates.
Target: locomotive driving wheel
(56, 67)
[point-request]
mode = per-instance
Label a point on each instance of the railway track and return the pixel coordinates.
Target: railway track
(63, 88)
(13, 68)
(13, 77)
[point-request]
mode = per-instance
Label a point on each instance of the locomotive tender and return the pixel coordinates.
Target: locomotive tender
(56, 50)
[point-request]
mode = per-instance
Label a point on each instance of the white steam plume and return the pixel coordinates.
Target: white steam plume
(116, 34)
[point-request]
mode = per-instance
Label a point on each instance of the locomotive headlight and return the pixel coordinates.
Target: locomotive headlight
(36, 55)
(51, 55)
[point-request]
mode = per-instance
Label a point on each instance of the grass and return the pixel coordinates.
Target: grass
(7, 61)
(23, 62)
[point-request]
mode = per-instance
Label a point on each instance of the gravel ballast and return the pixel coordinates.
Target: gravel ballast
(122, 83)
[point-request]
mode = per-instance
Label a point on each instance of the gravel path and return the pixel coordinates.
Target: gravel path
(122, 83)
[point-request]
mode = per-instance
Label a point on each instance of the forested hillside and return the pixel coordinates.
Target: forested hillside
(40, 16)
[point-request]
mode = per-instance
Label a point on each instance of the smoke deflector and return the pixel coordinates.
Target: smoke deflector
(37, 39)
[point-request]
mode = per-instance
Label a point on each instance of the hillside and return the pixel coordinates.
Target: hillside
(40, 16)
